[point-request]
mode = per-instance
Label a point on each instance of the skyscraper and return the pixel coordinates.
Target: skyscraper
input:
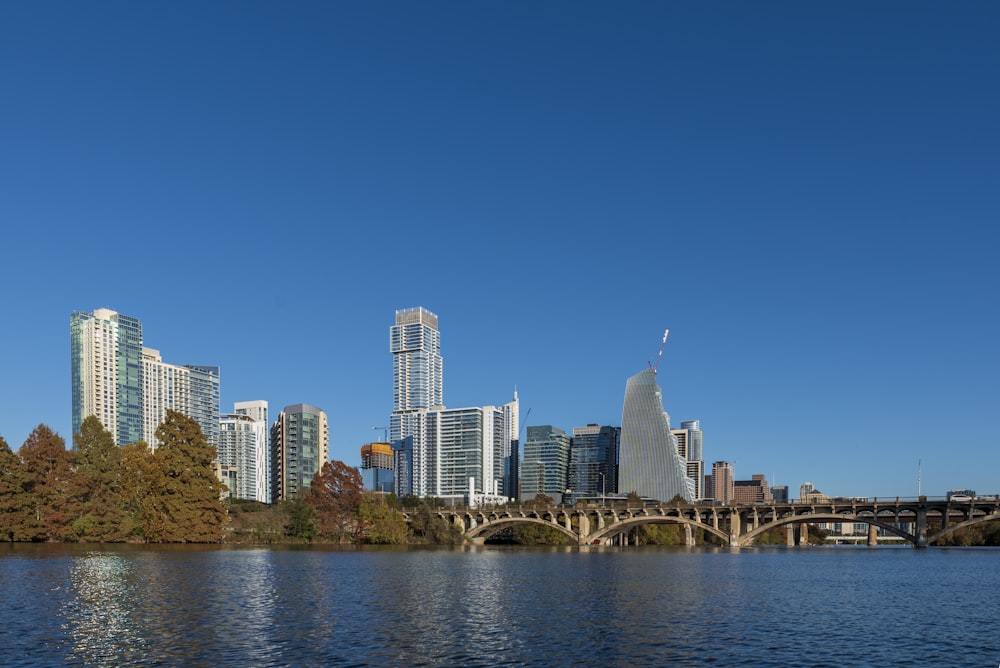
(237, 455)
(191, 390)
(593, 461)
(417, 387)
(546, 463)
(649, 462)
(690, 445)
(300, 442)
(377, 467)
(257, 410)
(106, 372)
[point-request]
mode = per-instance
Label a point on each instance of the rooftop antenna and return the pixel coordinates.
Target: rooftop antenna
(660, 356)
(918, 477)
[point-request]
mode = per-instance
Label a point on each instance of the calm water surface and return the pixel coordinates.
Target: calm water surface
(483, 606)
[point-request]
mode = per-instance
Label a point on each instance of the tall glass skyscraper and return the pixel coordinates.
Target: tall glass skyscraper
(262, 459)
(417, 387)
(649, 461)
(546, 463)
(593, 461)
(106, 372)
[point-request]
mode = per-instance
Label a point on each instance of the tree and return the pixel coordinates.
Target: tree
(190, 496)
(301, 519)
(52, 482)
(98, 465)
(382, 523)
(17, 517)
(140, 477)
(335, 497)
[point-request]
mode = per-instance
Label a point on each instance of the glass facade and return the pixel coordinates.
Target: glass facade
(546, 463)
(300, 444)
(593, 461)
(650, 463)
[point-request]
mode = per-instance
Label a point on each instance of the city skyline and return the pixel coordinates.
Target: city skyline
(804, 195)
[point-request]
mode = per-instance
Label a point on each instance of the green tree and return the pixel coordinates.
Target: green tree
(382, 523)
(53, 483)
(428, 527)
(335, 497)
(190, 496)
(98, 465)
(300, 519)
(18, 521)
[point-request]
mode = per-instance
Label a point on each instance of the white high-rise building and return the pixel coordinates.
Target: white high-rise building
(417, 387)
(237, 458)
(106, 372)
(191, 390)
(257, 411)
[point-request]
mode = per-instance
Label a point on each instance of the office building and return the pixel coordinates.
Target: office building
(300, 442)
(106, 372)
(754, 490)
(257, 411)
(722, 482)
(649, 462)
(545, 467)
(593, 461)
(779, 493)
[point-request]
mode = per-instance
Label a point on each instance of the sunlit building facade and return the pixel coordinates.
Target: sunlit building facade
(257, 411)
(106, 372)
(545, 467)
(649, 462)
(237, 456)
(300, 446)
(378, 467)
(593, 461)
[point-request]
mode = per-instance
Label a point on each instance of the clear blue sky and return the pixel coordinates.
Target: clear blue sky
(806, 194)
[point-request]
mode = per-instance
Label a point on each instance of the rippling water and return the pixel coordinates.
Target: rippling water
(483, 606)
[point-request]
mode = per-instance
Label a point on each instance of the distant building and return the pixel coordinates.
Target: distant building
(690, 441)
(754, 490)
(649, 461)
(377, 467)
(191, 390)
(257, 411)
(779, 493)
(546, 463)
(805, 489)
(593, 461)
(106, 372)
(722, 482)
(300, 442)
(237, 456)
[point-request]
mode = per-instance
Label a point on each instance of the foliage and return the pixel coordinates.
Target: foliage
(18, 521)
(633, 500)
(335, 497)
(53, 484)
(189, 500)
(140, 478)
(428, 527)
(540, 501)
(300, 522)
(254, 522)
(98, 464)
(661, 534)
(538, 534)
(382, 523)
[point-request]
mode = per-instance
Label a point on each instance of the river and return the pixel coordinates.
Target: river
(492, 606)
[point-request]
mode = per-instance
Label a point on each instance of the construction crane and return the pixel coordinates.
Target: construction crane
(385, 433)
(660, 356)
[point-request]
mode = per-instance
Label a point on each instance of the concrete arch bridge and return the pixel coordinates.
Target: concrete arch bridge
(921, 521)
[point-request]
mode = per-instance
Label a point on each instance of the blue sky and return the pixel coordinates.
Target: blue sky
(806, 194)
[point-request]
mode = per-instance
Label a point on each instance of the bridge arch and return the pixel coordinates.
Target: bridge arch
(749, 537)
(624, 524)
(962, 525)
(490, 527)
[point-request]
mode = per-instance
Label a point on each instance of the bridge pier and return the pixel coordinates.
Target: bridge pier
(803, 533)
(872, 535)
(735, 525)
(790, 535)
(921, 527)
(688, 535)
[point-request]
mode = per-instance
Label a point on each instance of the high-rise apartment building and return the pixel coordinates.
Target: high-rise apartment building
(300, 446)
(690, 445)
(593, 461)
(106, 372)
(417, 387)
(237, 456)
(191, 390)
(545, 467)
(257, 411)
(649, 462)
